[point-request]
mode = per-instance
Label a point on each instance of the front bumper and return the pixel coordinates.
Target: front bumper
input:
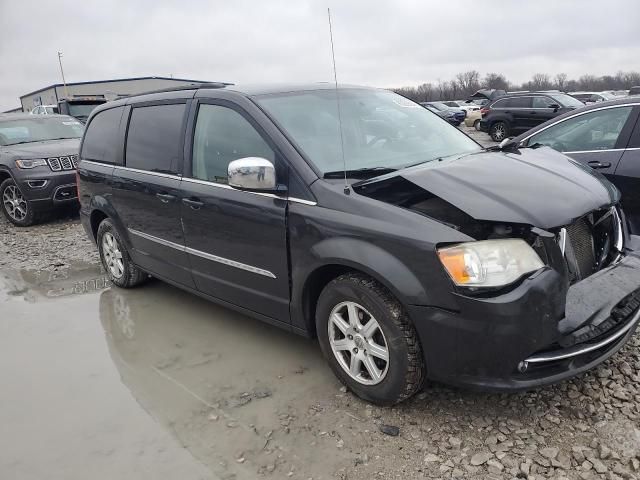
(46, 189)
(534, 335)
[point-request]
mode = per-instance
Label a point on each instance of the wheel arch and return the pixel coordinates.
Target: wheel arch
(99, 209)
(357, 256)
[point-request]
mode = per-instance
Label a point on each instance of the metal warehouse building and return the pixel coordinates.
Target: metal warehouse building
(109, 89)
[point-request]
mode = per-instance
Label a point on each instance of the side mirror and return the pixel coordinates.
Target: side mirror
(252, 173)
(555, 106)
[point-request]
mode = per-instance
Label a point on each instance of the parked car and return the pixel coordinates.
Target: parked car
(451, 115)
(473, 119)
(45, 110)
(515, 113)
(462, 105)
(592, 97)
(634, 91)
(38, 155)
(434, 258)
(604, 136)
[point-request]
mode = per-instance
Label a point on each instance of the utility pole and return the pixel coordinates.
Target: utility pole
(66, 92)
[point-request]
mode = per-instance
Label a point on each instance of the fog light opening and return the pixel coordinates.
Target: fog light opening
(522, 366)
(37, 183)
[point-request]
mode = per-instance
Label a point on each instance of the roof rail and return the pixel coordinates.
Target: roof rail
(191, 86)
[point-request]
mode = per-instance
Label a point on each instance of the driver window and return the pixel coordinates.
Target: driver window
(223, 135)
(598, 130)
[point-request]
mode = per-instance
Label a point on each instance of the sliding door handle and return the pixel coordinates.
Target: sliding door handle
(193, 202)
(165, 197)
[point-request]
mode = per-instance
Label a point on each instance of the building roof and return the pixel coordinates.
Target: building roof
(111, 81)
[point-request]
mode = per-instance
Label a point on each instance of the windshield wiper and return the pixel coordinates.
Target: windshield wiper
(512, 146)
(367, 172)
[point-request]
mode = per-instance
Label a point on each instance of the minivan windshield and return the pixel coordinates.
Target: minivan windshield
(380, 129)
(38, 129)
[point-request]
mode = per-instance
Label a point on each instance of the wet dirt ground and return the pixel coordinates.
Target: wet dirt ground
(153, 382)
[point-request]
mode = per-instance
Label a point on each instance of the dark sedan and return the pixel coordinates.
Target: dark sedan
(606, 137)
(455, 116)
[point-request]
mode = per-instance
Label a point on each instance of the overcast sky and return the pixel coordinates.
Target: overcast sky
(394, 43)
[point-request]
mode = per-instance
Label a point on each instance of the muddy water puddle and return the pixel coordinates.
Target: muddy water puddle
(138, 382)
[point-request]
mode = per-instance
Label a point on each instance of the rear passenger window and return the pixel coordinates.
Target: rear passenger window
(223, 135)
(154, 138)
(520, 102)
(100, 142)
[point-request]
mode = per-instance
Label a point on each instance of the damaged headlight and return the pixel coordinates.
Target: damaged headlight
(489, 263)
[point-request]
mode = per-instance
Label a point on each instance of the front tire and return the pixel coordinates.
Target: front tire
(476, 125)
(369, 340)
(17, 209)
(115, 258)
(499, 131)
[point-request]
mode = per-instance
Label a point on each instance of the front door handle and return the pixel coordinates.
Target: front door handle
(596, 164)
(165, 197)
(193, 202)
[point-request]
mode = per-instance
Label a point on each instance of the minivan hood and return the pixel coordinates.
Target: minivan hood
(538, 187)
(48, 148)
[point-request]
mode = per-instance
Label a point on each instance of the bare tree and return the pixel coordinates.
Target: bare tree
(540, 81)
(465, 83)
(468, 82)
(495, 80)
(561, 81)
(424, 92)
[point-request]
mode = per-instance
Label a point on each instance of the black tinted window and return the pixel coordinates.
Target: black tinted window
(223, 135)
(153, 140)
(520, 102)
(101, 138)
(542, 102)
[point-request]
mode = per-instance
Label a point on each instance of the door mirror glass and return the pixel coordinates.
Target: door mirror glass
(252, 173)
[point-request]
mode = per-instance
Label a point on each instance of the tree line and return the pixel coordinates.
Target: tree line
(466, 83)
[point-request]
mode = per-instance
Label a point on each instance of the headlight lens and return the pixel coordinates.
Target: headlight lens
(489, 263)
(31, 163)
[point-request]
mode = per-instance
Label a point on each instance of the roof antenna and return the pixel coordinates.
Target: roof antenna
(335, 79)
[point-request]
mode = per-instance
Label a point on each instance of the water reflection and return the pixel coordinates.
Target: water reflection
(234, 391)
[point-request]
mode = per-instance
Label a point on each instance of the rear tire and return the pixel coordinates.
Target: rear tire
(17, 209)
(476, 125)
(116, 259)
(356, 351)
(499, 131)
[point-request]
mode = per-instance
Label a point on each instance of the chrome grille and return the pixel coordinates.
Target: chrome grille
(58, 164)
(66, 163)
(54, 164)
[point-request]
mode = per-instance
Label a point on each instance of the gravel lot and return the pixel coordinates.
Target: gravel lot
(587, 428)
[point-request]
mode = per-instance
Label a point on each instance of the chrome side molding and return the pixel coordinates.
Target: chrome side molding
(205, 255)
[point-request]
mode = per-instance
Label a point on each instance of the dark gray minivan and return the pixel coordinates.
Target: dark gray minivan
(426, 257)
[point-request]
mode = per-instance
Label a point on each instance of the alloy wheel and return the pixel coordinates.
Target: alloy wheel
(112, 255)
(14, 203)
(499, 132)
(358, 343)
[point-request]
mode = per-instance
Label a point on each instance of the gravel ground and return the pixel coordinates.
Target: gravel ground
(586, 428)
